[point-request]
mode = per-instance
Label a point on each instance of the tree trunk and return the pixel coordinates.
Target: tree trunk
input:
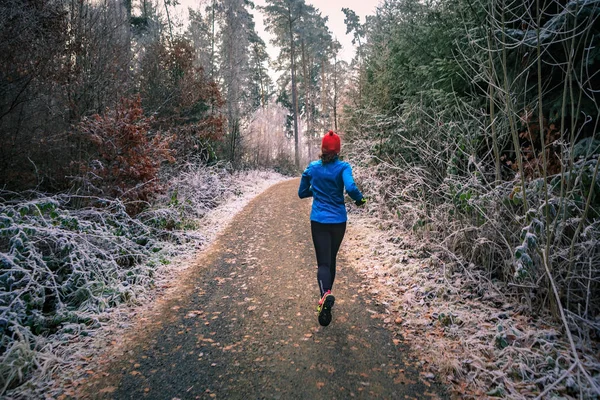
(294, 95)
(306, 78)
(169, 22)
(335, 93)
(323, 97)
(212, 44)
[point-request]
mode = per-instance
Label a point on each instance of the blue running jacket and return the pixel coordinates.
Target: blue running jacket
(325, 183)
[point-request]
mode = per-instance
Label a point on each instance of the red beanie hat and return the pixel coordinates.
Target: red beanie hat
(331, 143)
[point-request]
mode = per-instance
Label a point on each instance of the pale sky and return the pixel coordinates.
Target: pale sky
(330, 8)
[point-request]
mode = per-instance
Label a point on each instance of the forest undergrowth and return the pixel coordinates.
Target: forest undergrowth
(73, 265)
(454, 289)
(464, 329)
(474, 130)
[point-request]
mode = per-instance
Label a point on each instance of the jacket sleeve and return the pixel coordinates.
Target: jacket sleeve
(304, 190)
(349, 184)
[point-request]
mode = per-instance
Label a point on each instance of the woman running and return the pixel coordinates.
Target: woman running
(324, 181)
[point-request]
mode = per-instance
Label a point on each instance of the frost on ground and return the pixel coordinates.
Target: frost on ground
(248, 185)
(75, 270)
(464, 330)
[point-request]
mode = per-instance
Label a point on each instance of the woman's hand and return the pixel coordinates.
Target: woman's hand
(361, 202)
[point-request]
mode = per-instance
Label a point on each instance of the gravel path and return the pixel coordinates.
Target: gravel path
(243, 324)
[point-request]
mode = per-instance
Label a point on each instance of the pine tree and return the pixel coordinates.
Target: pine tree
(282, 18)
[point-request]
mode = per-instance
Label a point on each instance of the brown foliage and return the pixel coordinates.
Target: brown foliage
(126, 157)
(531, 147)
(184, 100)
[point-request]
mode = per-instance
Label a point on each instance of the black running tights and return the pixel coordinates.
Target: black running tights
(327, 239)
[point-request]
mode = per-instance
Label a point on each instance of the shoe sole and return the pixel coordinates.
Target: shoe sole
(325, 314)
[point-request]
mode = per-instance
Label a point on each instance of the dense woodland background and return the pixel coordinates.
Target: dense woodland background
(472, 124)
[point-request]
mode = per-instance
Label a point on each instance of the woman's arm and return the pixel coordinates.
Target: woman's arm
(304, 190)
(349, 184)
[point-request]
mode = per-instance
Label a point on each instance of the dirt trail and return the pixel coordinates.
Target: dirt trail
(243, 324)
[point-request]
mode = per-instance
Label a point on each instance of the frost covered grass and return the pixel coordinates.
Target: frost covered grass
(460, 324)
(492, 252)
(68, 261)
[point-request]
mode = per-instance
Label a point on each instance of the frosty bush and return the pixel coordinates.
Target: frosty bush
(192, 191)
(497, 240)
(62, 264)
(61, 267)
(125, 154)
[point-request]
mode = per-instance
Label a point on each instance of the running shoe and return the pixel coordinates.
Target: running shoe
(324, 308)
